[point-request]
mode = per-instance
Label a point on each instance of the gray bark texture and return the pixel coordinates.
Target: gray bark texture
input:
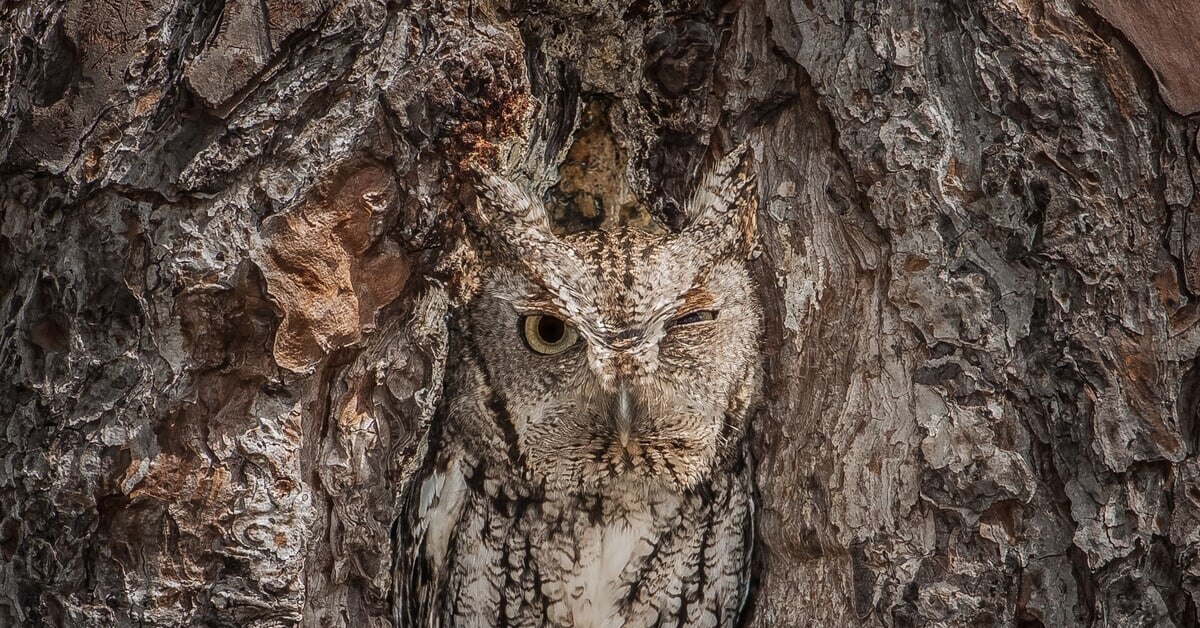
(231, 233)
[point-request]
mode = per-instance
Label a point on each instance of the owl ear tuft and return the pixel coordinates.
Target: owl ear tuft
(724, 206)
(496, 203)
(515, 227)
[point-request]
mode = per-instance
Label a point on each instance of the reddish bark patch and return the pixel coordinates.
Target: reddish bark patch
(915, 263)
(467, 100)
(327, 269)
(1165, 34)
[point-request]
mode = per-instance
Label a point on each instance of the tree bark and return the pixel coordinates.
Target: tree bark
(231, 235)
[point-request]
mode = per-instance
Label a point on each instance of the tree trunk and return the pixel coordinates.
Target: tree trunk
(231, 232)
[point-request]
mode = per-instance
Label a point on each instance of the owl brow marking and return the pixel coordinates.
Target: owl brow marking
(697, 298)
(627, 277)
(539, 304)
(555, 297)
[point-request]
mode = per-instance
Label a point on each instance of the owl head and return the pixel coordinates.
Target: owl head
(619, 355)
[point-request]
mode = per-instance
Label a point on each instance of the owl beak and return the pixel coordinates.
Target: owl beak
(624, 414)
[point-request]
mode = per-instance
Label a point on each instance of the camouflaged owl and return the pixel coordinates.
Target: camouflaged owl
(590, 466)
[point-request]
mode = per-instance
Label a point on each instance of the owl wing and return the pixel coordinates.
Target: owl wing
(433, 507)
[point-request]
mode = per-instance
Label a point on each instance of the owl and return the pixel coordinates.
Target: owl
(589, 466)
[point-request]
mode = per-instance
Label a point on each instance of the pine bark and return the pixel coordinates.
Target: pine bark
(230, 236)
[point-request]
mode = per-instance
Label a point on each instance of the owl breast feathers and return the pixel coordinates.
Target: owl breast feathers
(589, 464)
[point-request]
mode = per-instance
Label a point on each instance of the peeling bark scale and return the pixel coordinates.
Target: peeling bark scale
(230, 236)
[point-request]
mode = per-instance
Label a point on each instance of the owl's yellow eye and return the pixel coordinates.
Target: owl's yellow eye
(547, 334)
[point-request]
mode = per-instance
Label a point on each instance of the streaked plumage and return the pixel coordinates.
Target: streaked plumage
(589, 466)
